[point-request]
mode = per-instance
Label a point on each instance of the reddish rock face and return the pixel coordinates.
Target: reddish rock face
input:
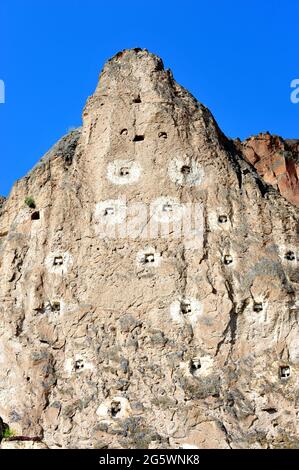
(276, 160)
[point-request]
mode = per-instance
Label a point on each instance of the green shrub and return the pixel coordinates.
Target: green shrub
(30, 202)
(8, 433)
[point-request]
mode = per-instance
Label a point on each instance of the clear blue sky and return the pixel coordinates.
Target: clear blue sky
(238, 57)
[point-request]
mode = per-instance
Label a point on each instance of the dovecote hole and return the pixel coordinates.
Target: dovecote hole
(124, 171)
(58, 261)
(55, 306)
(138, 138)
(35, 215)
(284, 372)
(137, 99)
(195, 365)
(79, 364)
(124, 132)
(185, 307)
(186, 170)
(257, 307)
(162, 135)
(109, 211)
(148, 258)
(228, 259)
(290, 256)
(115, 408)
(167, 207)
(222, 219)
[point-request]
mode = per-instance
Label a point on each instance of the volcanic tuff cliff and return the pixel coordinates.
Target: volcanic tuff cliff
(148, 342)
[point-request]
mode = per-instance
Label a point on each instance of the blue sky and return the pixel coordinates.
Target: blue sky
(236, 57)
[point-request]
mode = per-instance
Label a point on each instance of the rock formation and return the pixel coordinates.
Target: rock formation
(276, 160)
(119, 329)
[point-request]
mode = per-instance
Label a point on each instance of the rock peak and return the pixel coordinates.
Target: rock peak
(149, 281)
(137, 54)
(137, 69)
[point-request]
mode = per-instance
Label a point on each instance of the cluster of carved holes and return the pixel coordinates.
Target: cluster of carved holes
(186, 170)
(138, 138)
(284, 372)
(35, 215)
(194, 365)
(137, 99)
(222, 219)
(257, 306)
(185, 307)
(167, 207)
(109, 211)
(55, 306)
(290, 256)
(162, 135)
(148, 258)
(58, 261)
(124, 171)
(228, 259)
(115, 408)
(79, 364)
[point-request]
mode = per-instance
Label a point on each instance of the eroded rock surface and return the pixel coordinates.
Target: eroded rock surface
(22, 444)
(141, 340)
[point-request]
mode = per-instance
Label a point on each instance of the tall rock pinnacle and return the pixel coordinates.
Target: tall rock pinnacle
(149, 282)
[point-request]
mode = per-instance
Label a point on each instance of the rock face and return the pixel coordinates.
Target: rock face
(117, 328)
(276, 160)
(6, 444)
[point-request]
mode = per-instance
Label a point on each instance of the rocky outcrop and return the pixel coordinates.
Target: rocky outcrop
(22, 444)
(149, 289)
(276, 161)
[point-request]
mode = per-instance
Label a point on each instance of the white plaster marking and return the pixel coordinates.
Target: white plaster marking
(196, 310)
(205, 369)
(104, 410)
(122, 172)
(184, 172)
(148, 257)
(207, 366)
(112, 211)
(63, 262)
(284, 251)
(71, 362)
(167, 209)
